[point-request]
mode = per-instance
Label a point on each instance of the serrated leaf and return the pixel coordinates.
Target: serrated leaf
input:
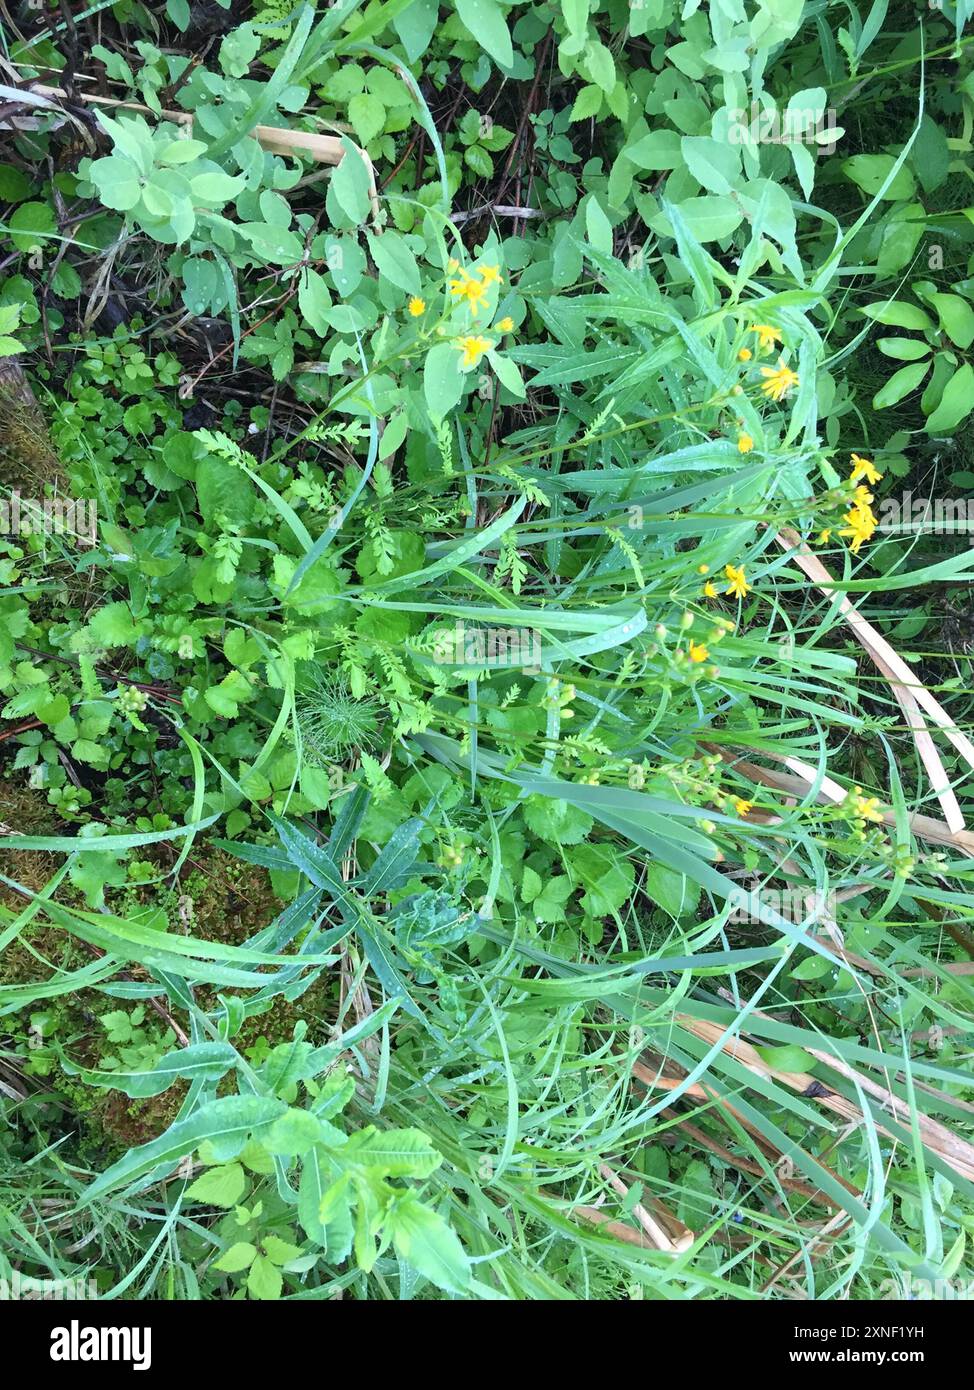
(264, 1279)
(238, 1257)
(397, 1153)
(423, 1238)
(222, 1186)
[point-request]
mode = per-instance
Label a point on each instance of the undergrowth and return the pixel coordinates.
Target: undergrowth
(483, 779)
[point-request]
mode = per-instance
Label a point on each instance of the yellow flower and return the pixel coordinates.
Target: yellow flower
(709, 590)
(824, 536)
(473, 348)
(744, 443)
(767, 336)
(737, 584)
(860, 523)
(417, 306)
(742, 807)
(471, 289)
(703, 569)
(745, 355)
(779, 380)
(864, 468)
(698, 652)
(865, 807)
(860, 520)
(491, 275)
(505, 325)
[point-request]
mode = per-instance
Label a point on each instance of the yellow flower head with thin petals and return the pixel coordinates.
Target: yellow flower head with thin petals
(471, 289)
(505, 325)
(864, 468)
(473, 348)
(778, 380)
(737, 585)
(698, 652)
(743, 807)
(744, 443)
(860, 523)
(767, 336)
(417, 306)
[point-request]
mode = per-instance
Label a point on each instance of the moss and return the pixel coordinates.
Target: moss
(231, 901)
(25, 811)
(27, 457)
(125, 1122)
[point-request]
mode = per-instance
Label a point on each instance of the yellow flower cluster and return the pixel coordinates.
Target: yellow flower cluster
(864, 807)
(778, 381)
(860, 520)
(737, 584)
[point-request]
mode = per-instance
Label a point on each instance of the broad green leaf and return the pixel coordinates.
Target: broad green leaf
(904, 349)
(423, 1238)
(314, 300)
(790, 1059)
(900, 384)
(32, 224)
(956, 403)
(394, 260)
(415, 25)
(222, 1186)
(442, 379)
(264, 1279)
(898, 314)
(956, 318)
(485, 20)
(397, 1153)
(348, 199)
(204, 1062)
(238, 1257)
(870, 172)
(715, 164)
(216, 187)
